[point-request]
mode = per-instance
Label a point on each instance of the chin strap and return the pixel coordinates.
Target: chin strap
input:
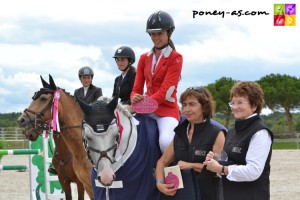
(160, 48)
(124, 70)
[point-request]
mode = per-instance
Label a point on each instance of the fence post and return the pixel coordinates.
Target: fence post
(298, 140)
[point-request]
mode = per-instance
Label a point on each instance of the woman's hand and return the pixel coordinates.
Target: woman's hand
(211, 163)
(167, 189)
(184, 165)
(209, 156)
(137, 98)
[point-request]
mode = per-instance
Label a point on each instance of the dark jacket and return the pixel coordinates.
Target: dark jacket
(124, 86)
(92, 94)
(202, 142)
(236, 146)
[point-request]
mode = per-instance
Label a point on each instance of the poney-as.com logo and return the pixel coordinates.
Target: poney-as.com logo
(284, 14)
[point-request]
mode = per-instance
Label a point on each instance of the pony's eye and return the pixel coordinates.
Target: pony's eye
(43, 99)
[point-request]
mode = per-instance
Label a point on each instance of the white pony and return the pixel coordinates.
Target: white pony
(115, 145)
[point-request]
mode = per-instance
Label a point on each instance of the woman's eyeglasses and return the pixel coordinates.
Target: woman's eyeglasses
(197, 89)
(237, 104)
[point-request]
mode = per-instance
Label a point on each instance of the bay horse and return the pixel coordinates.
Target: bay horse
(123, 150)
(39, 113)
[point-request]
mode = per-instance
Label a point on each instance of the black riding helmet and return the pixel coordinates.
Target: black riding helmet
(160, 21)
(85, 71)
(125, 52)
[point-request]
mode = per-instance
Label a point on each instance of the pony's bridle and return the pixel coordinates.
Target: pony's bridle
(104, 153)
(37, 122)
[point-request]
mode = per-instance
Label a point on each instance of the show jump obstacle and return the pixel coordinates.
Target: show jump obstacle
(43, 186)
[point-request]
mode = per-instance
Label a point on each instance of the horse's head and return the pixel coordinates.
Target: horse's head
(100, 131)
(34, 118)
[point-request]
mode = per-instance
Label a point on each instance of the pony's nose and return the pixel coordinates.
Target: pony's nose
(106, 182)
(22, 122)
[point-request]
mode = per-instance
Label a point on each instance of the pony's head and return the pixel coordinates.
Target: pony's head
(34, 118)
(100, 132)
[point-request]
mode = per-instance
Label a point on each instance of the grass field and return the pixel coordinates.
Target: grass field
(286, 144)
(277, 144)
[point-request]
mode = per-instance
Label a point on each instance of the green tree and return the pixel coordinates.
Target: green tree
(221, 93)
(282, 93)
(9, 119)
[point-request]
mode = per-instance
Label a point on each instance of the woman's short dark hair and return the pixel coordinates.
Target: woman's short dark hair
(203, 96)
(249, 89)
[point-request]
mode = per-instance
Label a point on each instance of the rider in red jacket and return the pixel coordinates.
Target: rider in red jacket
(160, 69)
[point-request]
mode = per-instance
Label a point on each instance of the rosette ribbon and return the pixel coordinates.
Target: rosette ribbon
(55, 121)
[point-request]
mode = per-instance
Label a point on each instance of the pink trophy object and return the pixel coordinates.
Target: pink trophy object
(172, 179)
(147, 105)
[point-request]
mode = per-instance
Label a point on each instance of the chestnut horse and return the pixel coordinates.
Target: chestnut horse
(39, 113)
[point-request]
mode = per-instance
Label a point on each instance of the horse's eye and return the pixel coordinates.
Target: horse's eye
(43, 99)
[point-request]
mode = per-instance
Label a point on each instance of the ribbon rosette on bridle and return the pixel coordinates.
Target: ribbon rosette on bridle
(55, 121)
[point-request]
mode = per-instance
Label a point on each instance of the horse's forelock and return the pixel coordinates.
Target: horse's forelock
(40, 92)
(99, 114)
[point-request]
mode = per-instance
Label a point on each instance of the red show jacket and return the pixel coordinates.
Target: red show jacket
(162, 86)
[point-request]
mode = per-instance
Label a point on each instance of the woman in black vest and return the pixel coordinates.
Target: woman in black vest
(124, 57)
(248, 146)
(194, 138)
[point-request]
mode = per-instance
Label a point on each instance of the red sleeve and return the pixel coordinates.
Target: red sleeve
(171, 78)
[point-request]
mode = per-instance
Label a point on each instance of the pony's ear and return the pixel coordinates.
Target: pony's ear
(52, 84)
(113, 103)
(45, 84)
(86, 108)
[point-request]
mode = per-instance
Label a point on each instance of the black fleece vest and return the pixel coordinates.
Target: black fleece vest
(202, 142)
(236, 146)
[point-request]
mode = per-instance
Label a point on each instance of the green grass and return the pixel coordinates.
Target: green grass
(285, 145)
(14, 144)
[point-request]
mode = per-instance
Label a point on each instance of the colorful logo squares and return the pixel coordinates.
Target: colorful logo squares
(284, 14)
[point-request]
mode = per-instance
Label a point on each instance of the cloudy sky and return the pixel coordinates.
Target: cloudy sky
(58, 37)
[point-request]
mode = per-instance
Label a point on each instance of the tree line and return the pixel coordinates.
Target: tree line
(281, 94)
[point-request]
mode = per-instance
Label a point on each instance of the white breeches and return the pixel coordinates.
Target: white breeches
(166, 127)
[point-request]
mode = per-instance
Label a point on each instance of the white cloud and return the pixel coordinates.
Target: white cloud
(30, 49)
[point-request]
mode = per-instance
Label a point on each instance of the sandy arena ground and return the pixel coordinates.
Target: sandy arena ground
(285, 177)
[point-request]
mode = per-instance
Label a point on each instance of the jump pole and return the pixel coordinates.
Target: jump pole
(13, 167)
(19, 151)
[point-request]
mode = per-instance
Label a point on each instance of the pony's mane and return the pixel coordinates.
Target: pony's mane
(67, 93)
(120, 106)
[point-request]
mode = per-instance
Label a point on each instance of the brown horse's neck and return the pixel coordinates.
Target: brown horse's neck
(60, 146)
(70, 114)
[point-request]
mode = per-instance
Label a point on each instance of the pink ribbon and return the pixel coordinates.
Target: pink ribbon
(55, 121)
(120, 127)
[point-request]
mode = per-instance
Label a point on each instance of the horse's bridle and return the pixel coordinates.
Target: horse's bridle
(103, 154)
(37, 122)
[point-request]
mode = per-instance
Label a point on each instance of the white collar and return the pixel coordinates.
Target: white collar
(165, 51)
